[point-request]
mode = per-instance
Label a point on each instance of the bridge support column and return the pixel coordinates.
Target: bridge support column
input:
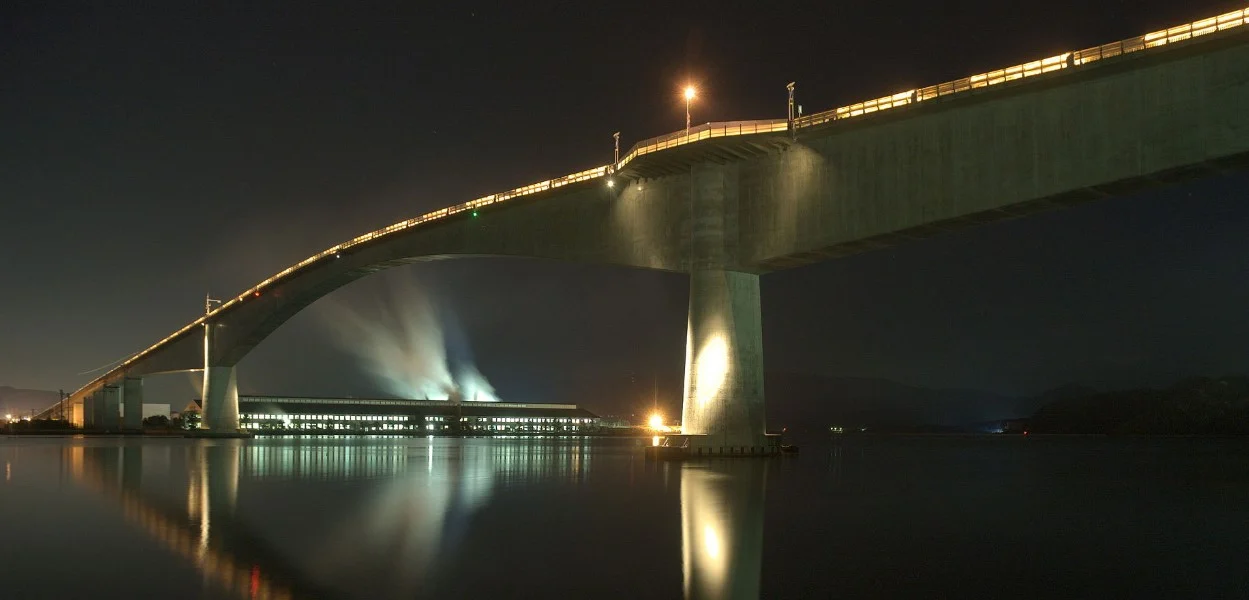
(722, 409)
(221, 400)
(88, 411)
(724, 361)
(132, 398)
(110, 408)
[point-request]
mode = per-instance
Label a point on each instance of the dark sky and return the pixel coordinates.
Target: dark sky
(153, 152)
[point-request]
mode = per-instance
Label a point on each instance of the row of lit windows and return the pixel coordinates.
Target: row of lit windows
(261, 417)
(405, 427)
(402, 418)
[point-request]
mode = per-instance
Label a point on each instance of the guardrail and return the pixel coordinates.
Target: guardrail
(1050, 64)
(705, 131)
(1067, 60)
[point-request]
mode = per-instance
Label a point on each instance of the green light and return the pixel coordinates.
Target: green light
(474, 213)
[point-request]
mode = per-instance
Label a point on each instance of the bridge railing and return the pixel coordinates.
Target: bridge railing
(1163, 37)
(1050, 64)
(705, 131)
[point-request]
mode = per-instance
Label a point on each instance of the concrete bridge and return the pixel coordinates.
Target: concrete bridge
(728, 202)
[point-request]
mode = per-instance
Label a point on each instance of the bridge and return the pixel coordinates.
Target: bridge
(728, 202)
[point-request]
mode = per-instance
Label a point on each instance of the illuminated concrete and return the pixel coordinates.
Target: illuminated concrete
(220, 400)
(132, 399)
(728, 209)
(723, 401)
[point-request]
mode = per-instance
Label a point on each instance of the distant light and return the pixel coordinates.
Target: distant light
(257, 294)
(337, 255)
(8, 417)
(474, 214)
(611, 183)
(656, 421)
(690, 92)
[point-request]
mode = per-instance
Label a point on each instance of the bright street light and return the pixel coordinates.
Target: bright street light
(690, 92)
(656, 421)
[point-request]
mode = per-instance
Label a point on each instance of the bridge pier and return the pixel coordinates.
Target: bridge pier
(109, 405)
(722, 408)
(88, 411)
(220, 400)
(132, 398)
(723, 401)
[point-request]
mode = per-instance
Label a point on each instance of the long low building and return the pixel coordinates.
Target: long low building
(276, 414)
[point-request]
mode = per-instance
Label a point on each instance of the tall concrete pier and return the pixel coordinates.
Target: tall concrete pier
(723, 401)
(132, 399)
(221, 400)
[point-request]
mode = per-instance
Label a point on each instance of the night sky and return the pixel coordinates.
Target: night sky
(153, 154)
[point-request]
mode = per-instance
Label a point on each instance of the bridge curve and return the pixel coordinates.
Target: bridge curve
(726, 202)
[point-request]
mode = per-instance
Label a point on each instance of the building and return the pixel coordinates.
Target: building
(278, 414)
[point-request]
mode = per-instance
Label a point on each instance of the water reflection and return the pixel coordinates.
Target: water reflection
(422, 497)
(722, 528)
(207, 536)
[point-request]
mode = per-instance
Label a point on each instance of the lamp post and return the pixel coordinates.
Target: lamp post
(690, 92)
(616, 136)
(792, 131)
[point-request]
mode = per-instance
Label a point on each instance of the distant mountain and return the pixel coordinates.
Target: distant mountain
(1200, 405)
(20, 402)
(804, 401)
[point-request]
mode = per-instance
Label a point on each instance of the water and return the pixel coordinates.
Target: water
(857, 517)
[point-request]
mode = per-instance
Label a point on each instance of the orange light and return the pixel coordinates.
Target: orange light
(690, 92)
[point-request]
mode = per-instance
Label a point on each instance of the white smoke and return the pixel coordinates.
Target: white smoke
(401, 340)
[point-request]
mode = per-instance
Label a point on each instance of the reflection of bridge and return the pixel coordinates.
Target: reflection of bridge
(726, 202)
(412, 523)
(206, 535)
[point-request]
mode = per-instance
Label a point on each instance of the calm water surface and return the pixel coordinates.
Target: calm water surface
(856, 517)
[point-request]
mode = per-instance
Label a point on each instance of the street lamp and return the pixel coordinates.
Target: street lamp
(690, 92)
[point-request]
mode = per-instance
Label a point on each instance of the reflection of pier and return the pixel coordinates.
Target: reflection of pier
(207, 536)
(722, 528)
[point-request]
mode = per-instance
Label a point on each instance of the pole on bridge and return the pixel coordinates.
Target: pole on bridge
(792, 131)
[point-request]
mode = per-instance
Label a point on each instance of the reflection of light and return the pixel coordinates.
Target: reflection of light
(711, 541)
(655, 440)
(703, 527)
(722, 529)
(712, 366)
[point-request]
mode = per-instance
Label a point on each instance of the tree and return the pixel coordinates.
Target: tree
(156, 421)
